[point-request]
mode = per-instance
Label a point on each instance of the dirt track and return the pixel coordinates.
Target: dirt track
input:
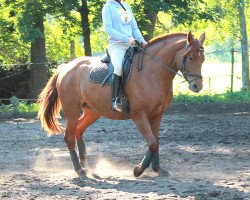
(205, 148)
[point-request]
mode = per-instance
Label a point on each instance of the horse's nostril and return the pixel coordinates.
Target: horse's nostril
(195, 86)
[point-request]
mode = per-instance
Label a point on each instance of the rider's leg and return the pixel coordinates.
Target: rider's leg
(117, 52)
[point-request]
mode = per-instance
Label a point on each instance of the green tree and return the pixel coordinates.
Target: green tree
(63, 38)
(181, 12)
(232, 27)
(12, 49)
(244, 46)
(31, 16)
(84, 12)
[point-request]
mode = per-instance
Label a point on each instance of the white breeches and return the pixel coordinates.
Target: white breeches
(117, 52)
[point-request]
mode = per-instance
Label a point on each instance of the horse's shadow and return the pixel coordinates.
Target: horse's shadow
(163, 187)
(146, 187)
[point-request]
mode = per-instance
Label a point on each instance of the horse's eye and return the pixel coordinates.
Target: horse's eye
(191, 58)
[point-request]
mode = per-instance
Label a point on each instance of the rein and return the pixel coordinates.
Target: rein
(185, 74)
(157, 60)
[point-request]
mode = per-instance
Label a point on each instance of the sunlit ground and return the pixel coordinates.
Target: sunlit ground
(216, 78)
(55, 162)
(105, 168)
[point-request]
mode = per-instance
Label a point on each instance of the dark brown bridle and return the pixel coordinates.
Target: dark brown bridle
(184, 69)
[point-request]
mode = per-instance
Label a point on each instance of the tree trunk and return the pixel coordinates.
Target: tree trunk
(38, 58)
(84, 12)
(151, 15)
(72, 50)
(244, 47)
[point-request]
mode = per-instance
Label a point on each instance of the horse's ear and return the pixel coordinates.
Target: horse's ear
(190, 38)
(202, 38)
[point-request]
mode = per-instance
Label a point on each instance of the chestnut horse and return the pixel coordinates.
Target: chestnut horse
(149, 92)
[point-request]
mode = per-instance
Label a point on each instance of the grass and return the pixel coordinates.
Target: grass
(22, 107)
(242, 96)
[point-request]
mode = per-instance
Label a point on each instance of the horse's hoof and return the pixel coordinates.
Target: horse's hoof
(162, 172)
(82, 174)
(138, 170)
(82, 162)
(156, 169)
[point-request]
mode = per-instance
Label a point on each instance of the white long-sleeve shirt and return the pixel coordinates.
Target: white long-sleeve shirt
(119, 24)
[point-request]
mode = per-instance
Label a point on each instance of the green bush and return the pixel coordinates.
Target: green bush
(16, 107)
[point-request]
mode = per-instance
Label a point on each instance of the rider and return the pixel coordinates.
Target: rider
(121, 27)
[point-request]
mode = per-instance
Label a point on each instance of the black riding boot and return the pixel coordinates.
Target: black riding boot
(115, 85)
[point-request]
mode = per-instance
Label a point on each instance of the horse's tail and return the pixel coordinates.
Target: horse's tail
(49, 106)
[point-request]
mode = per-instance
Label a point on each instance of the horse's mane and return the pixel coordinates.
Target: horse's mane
(164, 37)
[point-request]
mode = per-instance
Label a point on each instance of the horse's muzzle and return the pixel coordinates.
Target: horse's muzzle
(195, 87)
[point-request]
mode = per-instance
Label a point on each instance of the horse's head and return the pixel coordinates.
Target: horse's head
(190, 60)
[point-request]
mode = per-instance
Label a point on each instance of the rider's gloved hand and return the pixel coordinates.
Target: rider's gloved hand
(144, 43)
(131, 41)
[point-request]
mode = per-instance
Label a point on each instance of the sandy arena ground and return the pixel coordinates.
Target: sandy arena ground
(204, 147)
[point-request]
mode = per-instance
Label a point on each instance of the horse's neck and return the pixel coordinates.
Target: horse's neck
(156, 72)
(152, 72)
(163, 57)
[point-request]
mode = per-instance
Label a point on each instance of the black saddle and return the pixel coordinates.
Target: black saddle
(103, 73)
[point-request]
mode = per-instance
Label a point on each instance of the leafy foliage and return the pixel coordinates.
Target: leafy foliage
(12, 49)
(17, 106)
(219, 19)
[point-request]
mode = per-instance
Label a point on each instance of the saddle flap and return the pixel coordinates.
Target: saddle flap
(128, 59)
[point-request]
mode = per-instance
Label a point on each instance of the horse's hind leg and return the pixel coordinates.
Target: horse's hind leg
(72, 112)
(88, 118)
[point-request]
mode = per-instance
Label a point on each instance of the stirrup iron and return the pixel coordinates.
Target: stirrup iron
(116, 106)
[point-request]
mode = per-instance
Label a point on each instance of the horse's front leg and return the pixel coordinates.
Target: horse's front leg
(155, 125)
(144, 126)
(82, 151)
